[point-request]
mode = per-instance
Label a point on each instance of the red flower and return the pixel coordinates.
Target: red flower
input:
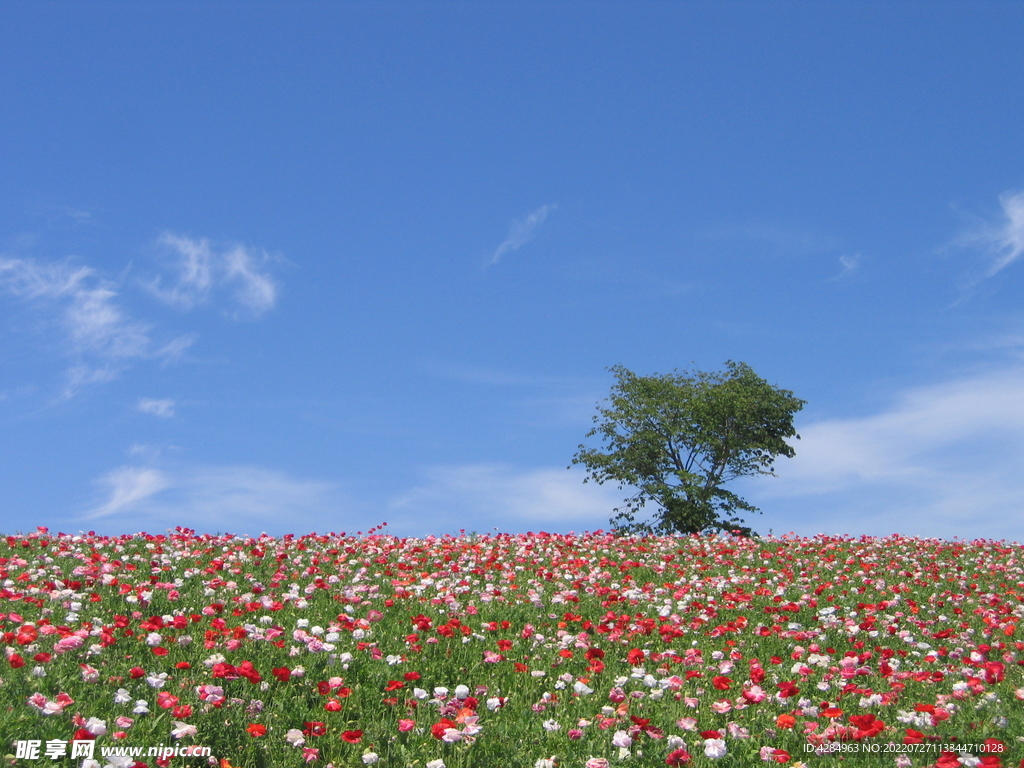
(785, 721)
(788, 689)
(994, 672)
(225, 670)
(248, 671)
(16, 661)
(256, 729)
(137, 672)
(352, 737)
(183, 665)
(635, 657)
(281, 673)
(867, 725)
(333, 705)
(314, 729)
(721, 683)
(678, 757)
(393, 685)
(437, 729)
(411, 676)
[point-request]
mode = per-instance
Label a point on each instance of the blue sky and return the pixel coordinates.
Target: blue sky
(288, 267)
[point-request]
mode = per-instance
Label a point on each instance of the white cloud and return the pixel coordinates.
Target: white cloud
(522, 232)
(1007, 237)
(200, 270)
(484, 496)
(255, 289)
(128, 487)
(162, 408)
(849, 265)
(194, 278)
(225, 497)
(944, 460)
(99, 335)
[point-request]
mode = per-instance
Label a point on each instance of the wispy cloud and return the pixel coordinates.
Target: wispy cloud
(849, 264)
(126, 488)
(227, 497)
(944, 460)
(1007, 236)
(480, 496)
(162, 408)
(774, 238)
(99, 335)
(1001, 241)
(200, 270)
(522, 232)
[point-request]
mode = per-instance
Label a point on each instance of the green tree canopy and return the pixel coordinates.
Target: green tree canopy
(678, 439)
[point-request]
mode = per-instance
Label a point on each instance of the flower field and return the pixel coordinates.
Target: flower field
(511, 651)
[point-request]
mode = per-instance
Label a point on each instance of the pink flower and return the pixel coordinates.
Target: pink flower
(89, 674)
(309, 754)
(596, 762)
(406, 725)
(69, 643)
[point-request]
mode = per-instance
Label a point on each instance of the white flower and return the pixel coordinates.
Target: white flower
(181, 730)
(153, 639)
(295, 737)
(622, 740)
(461, 692)
(157, 681)
(96, 727)
(714, 748)
(436, 764)
(141, 708)
(545, 762)
(122, 696)
(582, 689)
(551, 725)
(370, 758)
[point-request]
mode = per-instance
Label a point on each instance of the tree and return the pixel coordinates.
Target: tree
(679, 438)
